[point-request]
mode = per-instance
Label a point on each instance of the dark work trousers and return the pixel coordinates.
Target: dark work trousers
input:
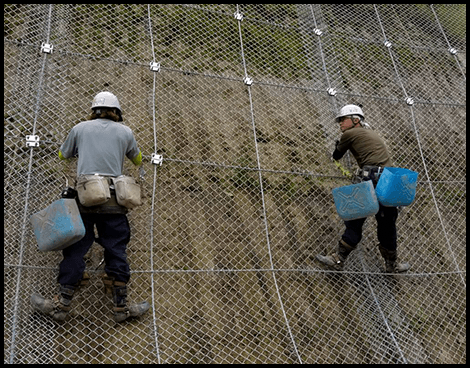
(114, 233)
(386, 228)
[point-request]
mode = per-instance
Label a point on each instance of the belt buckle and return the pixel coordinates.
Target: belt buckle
(379, 171)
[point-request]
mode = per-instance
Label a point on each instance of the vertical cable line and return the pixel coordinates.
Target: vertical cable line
(152, 274)
(262, 196)
(415, 127)
(448, 43)
(332, 98)
(372, 293)
(27, 193)
(382, 315)
(390, 53)
(390, 331)
(321, 50)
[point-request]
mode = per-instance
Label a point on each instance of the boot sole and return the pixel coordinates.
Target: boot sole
(40, 304)
(134, 312)
(328, 264)
(45, 306)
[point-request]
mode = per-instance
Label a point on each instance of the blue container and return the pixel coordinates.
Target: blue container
(356, 201)
(58, 226)
(396, 187)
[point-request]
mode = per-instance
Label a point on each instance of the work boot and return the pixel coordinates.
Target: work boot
(122, 309)
(391, 265)
(336, 260)
(58, 308)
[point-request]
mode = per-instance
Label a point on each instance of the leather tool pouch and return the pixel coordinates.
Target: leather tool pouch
(93, 190)
(127, 191)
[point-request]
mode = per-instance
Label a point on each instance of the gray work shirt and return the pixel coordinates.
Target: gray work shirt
(101, 145)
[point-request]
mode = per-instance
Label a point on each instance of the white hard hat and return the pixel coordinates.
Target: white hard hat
(350, 110)
(106, 99)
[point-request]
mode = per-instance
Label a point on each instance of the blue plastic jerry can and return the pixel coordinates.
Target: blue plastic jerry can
(396, 187)
(356, 201)
(58, 226)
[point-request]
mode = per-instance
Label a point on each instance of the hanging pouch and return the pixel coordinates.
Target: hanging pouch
(93, 190)
(127, 191)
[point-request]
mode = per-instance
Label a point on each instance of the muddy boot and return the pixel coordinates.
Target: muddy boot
(337, 259)
(122, 309)
(57, 308)
(391, 265)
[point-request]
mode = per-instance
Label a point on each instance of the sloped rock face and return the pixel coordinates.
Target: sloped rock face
(224, 244)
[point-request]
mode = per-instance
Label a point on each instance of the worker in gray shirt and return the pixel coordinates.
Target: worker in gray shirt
(101, 144)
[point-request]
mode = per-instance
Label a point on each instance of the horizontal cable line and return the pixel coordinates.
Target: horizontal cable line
(251, 270)
(416, 99)
(255, 169)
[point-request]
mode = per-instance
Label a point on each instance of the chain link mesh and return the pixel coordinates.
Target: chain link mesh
(224, 244)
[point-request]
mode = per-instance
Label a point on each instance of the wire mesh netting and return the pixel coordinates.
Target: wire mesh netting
(240, 102)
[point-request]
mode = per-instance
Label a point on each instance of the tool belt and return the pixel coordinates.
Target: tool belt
(104, 194)
(127, 191)
(368, 172)
(110, 207)
(93, 190)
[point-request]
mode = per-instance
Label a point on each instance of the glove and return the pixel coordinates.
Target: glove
(68, 192)
(141, 172)
(337, 154)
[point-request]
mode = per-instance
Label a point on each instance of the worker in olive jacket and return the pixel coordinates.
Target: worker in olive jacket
(371, 155)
